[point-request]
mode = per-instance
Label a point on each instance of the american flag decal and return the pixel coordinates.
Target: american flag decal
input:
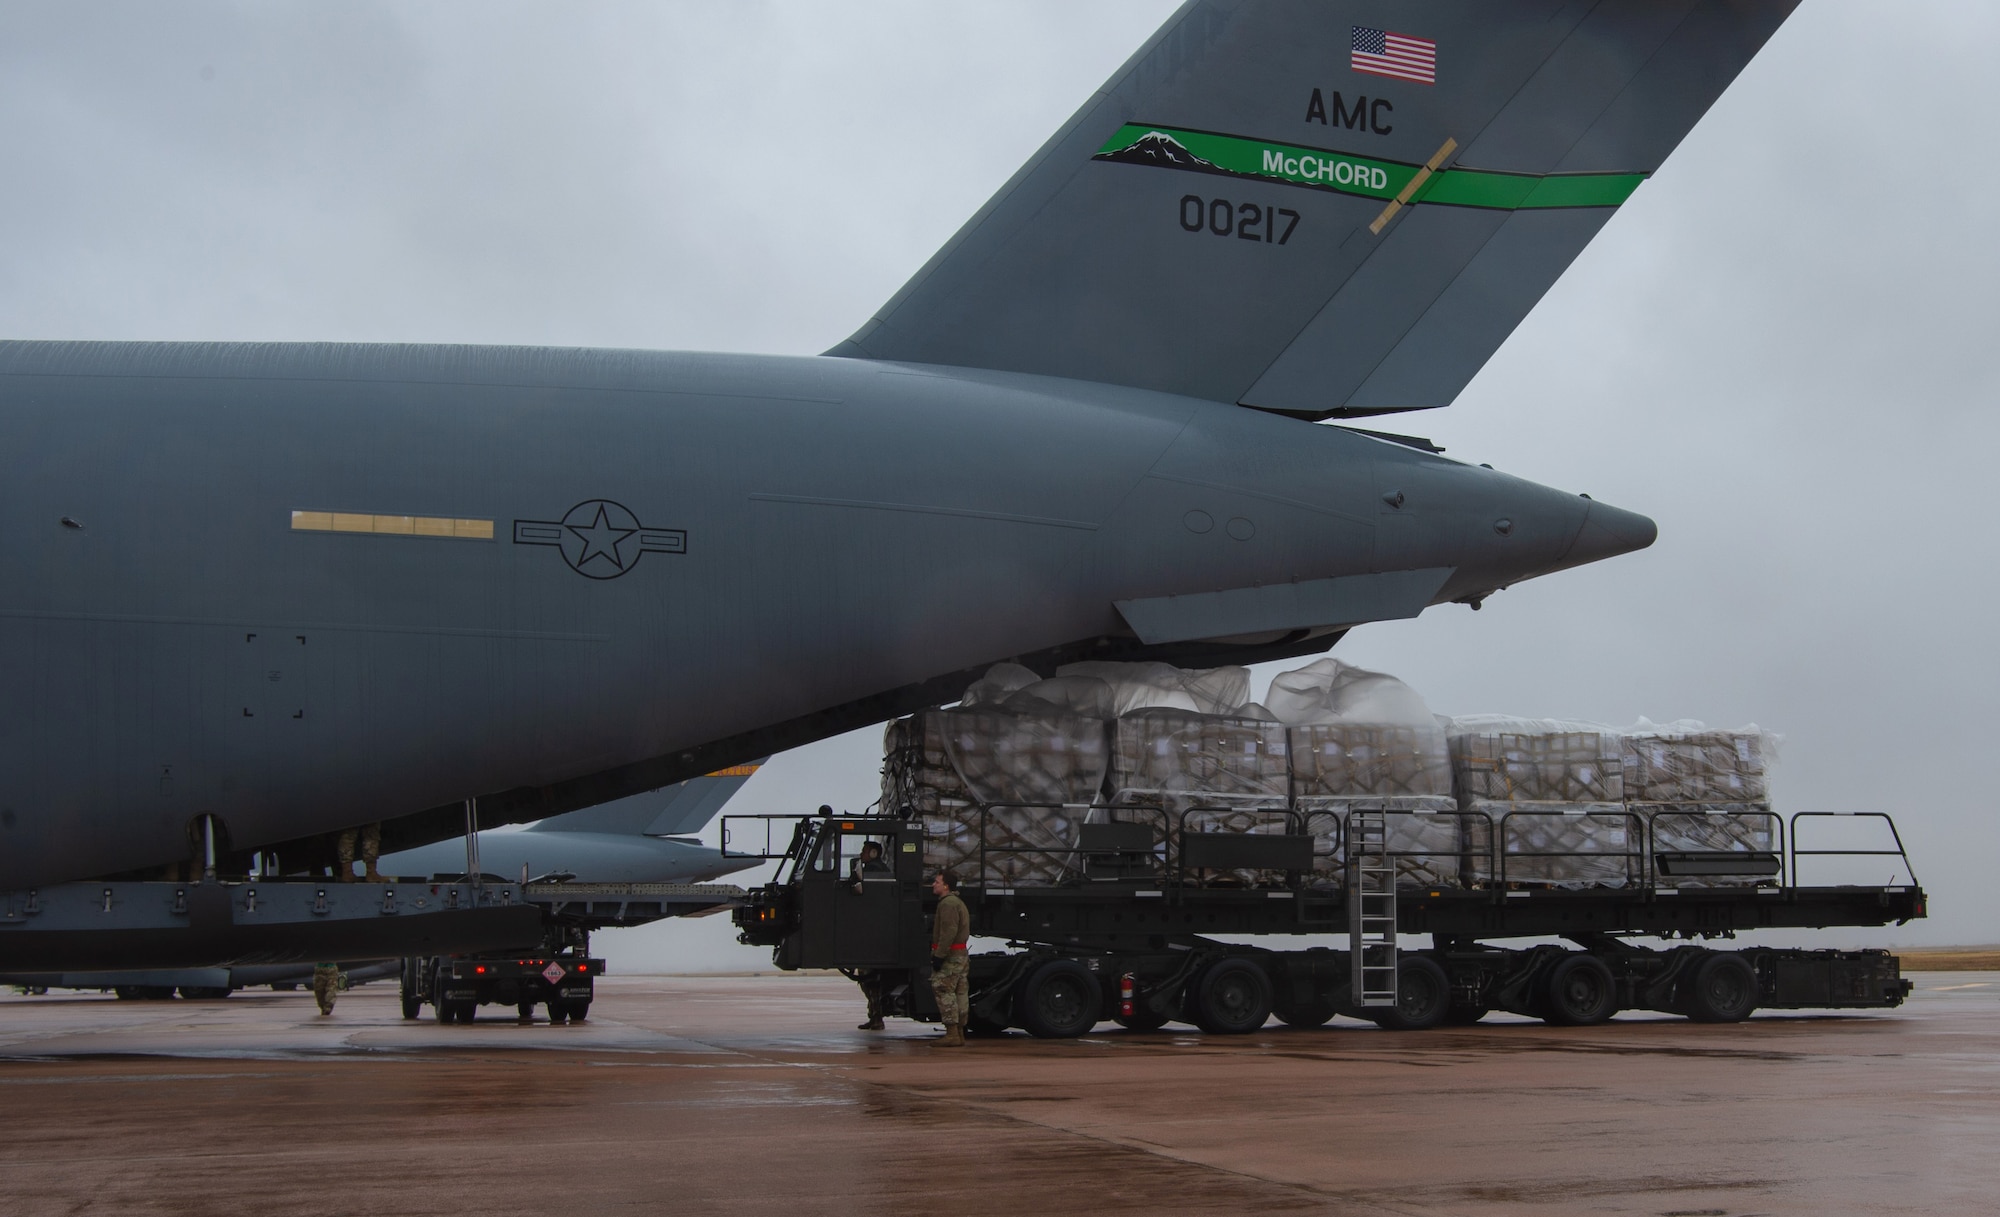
(1397, 56)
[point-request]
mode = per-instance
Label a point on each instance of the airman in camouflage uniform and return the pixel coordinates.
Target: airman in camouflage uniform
(948, 959)
(326, 983)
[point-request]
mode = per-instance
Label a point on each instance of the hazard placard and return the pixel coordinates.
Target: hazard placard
(553, 973)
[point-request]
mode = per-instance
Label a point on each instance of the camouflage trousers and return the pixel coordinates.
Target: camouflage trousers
(326, 983)
(948, 981)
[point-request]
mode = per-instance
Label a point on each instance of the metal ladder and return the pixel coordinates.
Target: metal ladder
(1371, 909)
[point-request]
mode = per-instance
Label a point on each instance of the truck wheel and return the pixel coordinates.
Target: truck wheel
(579, 1010)
(558, 1011)
(1723, 989)
(1059, 1000)
(413, 1007)
(1579, 991)
(1423, 995)
(1232, 997)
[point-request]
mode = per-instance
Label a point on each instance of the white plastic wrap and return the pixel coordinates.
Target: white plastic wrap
(959, 769)
(1084, 695)
(1506, 760)
(1425, 834)
(1001, 681)
(1685, 762)
(1330, 691)
(1174, 751)
(1147, 686)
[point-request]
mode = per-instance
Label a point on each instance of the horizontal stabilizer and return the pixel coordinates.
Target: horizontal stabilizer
(677, 810)
(1321, 208)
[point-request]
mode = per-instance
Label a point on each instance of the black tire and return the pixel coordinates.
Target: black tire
(525, 1011)
(413, 1007)
(128, 992)
(979, 1024)
(1721, 989)
(1232, 996)
(1423, 996)
(579, 1011)
(1579, 991)
(457, 1011)
(1059, 1000)
(558, 1011)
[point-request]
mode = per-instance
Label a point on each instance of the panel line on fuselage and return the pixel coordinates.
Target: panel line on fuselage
(924, 509)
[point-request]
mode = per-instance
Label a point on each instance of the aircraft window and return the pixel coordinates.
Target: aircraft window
(392, 525)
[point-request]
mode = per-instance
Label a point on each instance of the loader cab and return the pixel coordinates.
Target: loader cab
(861, 896)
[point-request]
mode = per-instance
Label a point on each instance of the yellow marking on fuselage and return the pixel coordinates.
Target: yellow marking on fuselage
(392, 525)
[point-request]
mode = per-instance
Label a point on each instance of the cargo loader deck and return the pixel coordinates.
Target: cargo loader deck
(1126, 931)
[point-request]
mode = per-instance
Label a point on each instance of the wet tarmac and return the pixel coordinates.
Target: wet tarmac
(751, 1095)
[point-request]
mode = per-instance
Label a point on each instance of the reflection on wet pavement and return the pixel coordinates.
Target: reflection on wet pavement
(755, 1095)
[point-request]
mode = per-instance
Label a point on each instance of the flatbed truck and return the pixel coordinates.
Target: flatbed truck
(561, 975)
(1132, 930)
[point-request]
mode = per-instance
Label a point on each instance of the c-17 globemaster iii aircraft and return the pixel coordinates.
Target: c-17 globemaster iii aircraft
(260, 593)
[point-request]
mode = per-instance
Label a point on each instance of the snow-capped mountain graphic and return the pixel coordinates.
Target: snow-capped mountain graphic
(1159, 148)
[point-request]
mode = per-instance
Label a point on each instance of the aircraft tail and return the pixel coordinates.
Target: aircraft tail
(676, 810)
(1321, 207)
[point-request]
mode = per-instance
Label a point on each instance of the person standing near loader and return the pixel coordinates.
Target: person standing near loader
(949, 965)
(326, 985)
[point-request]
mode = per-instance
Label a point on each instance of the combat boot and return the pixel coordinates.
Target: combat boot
(954, 1036)
(873, 1024)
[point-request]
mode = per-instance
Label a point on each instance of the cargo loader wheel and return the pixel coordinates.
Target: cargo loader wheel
(1723, 989)
(1231, 997)
(1059, 1000)
(1423, 995)
(1579, 991)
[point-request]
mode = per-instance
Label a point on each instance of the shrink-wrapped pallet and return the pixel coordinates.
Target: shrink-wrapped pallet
(1703, 791)
(1731, 828)
(1369, 760)
(917, 774)
(1170, 751)
(1190, 812)
(1533, 761)
(1565, 845)
(1553, 794)
(1426, 838)
(1685, 763)
(967, 772)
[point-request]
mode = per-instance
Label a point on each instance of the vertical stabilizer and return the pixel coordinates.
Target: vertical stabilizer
(1321, 208)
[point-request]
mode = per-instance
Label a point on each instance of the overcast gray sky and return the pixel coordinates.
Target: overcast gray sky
(1782, 348)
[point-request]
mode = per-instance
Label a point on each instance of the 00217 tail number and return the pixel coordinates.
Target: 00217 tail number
(1245, 221)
